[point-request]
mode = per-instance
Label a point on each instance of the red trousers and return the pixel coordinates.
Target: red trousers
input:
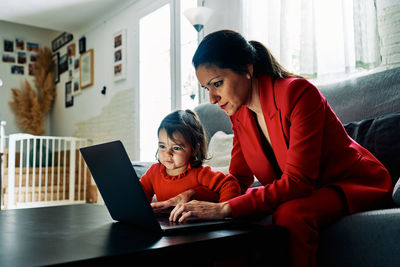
(304, 217)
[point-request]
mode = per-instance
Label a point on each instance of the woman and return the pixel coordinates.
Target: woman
(287, 136)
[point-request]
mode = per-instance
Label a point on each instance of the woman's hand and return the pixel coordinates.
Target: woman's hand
(200, 209)
(172, 202)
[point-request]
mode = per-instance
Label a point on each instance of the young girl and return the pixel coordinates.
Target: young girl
(182, 148)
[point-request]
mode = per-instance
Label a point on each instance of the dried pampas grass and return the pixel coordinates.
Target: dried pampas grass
(31, 109)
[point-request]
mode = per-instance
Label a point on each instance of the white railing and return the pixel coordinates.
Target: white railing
(2, 146)
(2, 135)
(43, 171)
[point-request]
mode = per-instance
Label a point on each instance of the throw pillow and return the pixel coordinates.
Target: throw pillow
(380, 136)
(219, 151)
(396, 193)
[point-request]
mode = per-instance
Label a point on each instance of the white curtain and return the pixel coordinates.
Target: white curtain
(366, 34)
(315, 37)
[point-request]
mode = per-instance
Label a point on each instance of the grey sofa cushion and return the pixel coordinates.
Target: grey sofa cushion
(364, 97)
(381, 136)
(214, 119)
(141, 167)
(362, 239)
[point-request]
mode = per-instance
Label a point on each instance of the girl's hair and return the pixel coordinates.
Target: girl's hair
(228, 49)
(187, 123)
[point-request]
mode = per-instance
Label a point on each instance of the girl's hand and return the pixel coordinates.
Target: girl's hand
(200, 209)
(172, 202)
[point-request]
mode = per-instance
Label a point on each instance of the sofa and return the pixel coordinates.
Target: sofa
(369, 108)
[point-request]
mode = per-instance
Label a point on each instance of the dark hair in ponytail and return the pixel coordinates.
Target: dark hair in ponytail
(228, 49)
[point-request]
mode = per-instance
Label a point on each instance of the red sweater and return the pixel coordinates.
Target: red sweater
(312, 149)
(157, 181)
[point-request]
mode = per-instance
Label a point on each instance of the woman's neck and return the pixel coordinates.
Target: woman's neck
(253, 102)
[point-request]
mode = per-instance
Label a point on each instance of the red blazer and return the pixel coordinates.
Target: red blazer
(312, 149)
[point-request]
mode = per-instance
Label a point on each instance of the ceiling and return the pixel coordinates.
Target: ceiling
(59, 15)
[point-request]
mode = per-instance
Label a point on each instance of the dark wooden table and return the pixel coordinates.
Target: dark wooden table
(86, 235)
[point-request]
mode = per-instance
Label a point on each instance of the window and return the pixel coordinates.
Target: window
(189, 86)
(166, 74)
(311, 38)
(155, 77)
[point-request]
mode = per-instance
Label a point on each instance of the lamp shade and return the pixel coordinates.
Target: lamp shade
(198, 16)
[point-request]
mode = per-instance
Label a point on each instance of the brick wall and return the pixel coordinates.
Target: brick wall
(388, 16)
(115, 122)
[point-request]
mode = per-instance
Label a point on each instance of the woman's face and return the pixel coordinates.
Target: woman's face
(226, 88)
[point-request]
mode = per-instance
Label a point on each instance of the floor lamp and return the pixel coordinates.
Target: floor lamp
(198, 17)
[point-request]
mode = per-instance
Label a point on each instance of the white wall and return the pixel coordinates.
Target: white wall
(103, 117)
(10, 31)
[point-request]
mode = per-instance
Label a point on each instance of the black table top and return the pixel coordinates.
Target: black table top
(79, 233)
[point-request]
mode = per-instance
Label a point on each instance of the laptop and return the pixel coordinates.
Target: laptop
(123, 194)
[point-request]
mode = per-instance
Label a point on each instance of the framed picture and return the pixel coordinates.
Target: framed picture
(16, 69)
(33, 57)
(21, 57)
(76, 64)
(82, 45)
(62, 64)
(31, 69)
(8, 45)
(20, 44)
(69, 98)
(86, 69)
(56, 59)
(61, 40)
(119, 55)
(75, 87)
(9, 58)
(71, 50)
(32, 47)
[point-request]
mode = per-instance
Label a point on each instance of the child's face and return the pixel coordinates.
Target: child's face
(174, 155)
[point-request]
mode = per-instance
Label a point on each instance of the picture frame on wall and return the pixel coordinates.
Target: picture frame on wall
(62, 64)
(86, 69)
(71, 50)
(17, 69)
(75, 87)
(8, 45)
(20, 44)
(32, 47)
(82, 45)
(21, 57)
(56, 59)
(8, 58)
(61, 40)
(69, 98)
(119, 55)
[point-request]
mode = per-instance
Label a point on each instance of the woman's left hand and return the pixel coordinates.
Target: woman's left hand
(200, 209)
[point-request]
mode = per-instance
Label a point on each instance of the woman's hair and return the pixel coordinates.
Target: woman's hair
(187, 123)
(228, 49)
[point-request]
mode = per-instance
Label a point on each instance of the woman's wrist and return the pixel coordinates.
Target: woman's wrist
(225, 210)
(188, 195)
